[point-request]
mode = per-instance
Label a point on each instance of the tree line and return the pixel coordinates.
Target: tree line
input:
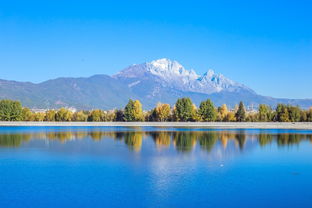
(183, 110)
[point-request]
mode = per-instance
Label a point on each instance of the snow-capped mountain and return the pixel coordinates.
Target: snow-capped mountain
(161, 80)
(168, 73)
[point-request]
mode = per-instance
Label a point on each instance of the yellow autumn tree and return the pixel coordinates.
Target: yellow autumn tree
(162, 112)
(39, 116)
(230, 116)
(80, 116)
(138, 111)
(63, 115)
(50, 115)
(28, 115)
(97, 115)
(222, 112)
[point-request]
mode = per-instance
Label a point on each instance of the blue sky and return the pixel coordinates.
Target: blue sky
(266, 45)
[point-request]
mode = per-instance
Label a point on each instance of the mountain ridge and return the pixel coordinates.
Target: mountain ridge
(173, 74)
(161, 80)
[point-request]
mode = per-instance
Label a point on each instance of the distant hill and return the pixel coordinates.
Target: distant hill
(161, 80)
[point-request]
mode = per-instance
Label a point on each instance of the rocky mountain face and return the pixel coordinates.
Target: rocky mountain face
(172, 74)
(161, 80)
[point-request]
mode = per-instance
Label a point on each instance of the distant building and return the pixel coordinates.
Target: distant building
(39, 110)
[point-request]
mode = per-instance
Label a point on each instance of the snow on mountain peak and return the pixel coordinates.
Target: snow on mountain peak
(172, 74)
(209, 73)
(165, 64)
(166, 68)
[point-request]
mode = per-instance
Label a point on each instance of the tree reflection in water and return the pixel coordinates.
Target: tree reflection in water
(240, 137)
(183, 141)
(133, 140)
(162, 139)
(208, 140)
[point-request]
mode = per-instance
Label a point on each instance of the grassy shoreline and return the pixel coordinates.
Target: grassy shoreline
(219, 125)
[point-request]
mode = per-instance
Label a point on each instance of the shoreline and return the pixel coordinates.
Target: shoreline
(216, 125)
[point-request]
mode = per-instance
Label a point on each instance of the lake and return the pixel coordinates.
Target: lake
(154, 167)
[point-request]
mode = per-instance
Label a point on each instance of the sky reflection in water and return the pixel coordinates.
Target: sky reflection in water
(154, 167)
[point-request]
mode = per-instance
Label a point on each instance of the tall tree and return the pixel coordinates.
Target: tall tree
(282, 114)
(222, 112)
(264, 113)
(10, 110)
(207, 111)
(241, 112)
(138, 111)
(119, 115)
(128, 112)
(183, 109)
(133, 111)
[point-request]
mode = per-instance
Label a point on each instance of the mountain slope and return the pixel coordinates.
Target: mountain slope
(161, 80)
(100, 91)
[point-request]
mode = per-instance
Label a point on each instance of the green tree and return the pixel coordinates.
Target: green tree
(119, 115)
(133, 111)
(282, 114)
(264, 113)
(129, 111)
(183, 109)
(10, 110)
(63, 115)
(240, 113)
(294, 113)
(207, 111)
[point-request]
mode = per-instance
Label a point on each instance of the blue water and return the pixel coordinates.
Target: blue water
(154, 167)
